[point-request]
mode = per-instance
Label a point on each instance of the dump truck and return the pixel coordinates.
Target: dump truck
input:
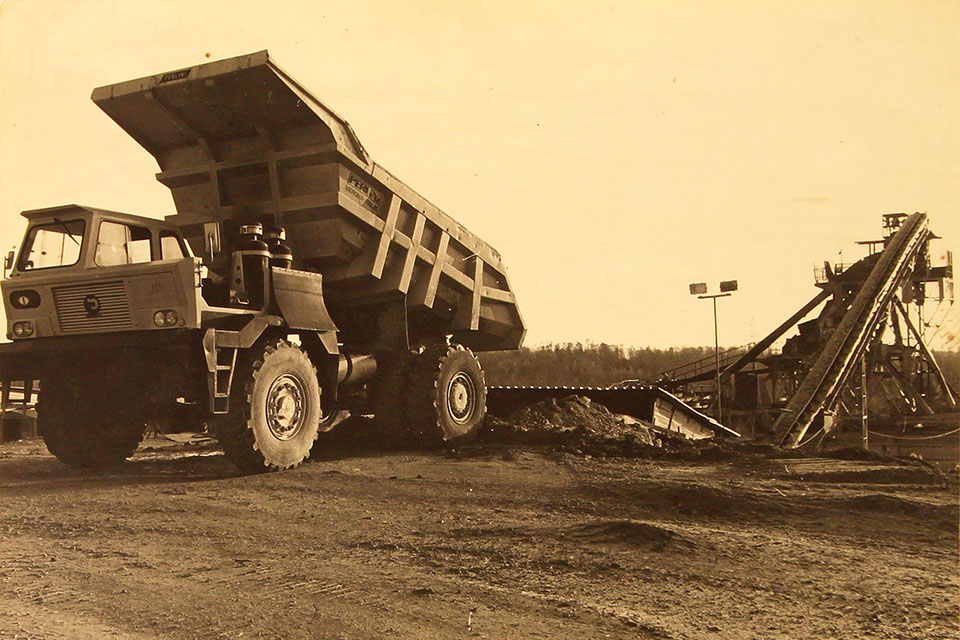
(297, 281)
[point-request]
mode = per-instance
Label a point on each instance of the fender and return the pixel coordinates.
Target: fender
(299, 296)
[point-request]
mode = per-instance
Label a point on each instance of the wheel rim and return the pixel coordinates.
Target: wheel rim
(285, 407)
(461, 397)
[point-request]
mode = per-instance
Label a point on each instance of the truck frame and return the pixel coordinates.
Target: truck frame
(298, 281)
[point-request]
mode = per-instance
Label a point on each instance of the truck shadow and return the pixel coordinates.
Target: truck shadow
(40, 473)
(27, 469)
(358, 437)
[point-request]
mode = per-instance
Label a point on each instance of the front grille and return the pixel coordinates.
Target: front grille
(110, 299)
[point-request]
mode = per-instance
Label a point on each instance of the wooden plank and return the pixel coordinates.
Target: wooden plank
(477, 290)
(489, 293)
(425, 254)
(459, 277)
(427, 292)
(401, 240)
(411, 257)
(386, 237)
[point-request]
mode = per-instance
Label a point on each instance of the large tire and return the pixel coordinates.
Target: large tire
(83, 427)
(387, 394)
(275, 409)
(447, 395)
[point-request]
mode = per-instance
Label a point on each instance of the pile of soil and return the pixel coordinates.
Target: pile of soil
(942, 515)
(906, 473)
(581, 415)
(629, 533)
(855, 453)
(577, 425)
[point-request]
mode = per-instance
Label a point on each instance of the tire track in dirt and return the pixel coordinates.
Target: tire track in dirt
(36, 608)
(13, 568)
(274, 582)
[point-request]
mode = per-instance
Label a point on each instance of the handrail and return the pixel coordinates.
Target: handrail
(698, 368)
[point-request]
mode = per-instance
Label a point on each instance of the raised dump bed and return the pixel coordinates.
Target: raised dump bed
(240, 141)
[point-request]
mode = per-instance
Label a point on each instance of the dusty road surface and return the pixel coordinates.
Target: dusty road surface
(489, 542)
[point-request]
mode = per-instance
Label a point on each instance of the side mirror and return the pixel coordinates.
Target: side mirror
(8, 261)
(211, 238)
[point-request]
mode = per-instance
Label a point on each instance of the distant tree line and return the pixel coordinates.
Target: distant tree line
(578, 364)
(590, 364)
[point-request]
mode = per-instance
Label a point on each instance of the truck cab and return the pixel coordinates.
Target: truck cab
(83, 271)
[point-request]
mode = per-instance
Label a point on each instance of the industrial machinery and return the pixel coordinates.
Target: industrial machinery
(863, 362)
(297, 280)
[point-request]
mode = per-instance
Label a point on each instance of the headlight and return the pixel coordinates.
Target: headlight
(166, 318)
(23, 329)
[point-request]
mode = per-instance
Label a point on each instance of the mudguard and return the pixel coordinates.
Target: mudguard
(299, 295)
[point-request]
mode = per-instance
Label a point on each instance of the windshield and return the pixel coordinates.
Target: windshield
(54, 244)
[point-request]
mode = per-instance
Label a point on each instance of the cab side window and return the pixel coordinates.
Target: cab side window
(170, 247)
(122, 244)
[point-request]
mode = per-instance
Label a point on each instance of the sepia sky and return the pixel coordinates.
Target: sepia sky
(613, 152)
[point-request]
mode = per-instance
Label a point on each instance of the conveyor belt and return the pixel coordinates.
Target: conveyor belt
(846, 345)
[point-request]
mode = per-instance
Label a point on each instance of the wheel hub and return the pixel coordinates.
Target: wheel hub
(461, 397)
(285, 407)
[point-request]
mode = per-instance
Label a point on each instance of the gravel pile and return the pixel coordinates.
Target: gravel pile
(577, 425)
(577, 414)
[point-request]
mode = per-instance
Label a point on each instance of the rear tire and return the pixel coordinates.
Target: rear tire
(83, 427)
(275, 410)
(447, 395)
(387, 393)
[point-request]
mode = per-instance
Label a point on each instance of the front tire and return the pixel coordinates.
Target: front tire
(83, 427)
(275, 411)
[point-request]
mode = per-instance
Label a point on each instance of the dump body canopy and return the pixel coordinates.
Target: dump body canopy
(239, 141)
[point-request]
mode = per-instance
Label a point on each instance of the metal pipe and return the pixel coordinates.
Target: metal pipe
(716, 352)
(354, 368)
(864, 426)
(716, 349)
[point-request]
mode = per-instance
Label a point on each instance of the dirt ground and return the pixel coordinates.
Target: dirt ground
(491, 541)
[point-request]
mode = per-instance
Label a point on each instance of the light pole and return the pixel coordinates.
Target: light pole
(699, 289)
